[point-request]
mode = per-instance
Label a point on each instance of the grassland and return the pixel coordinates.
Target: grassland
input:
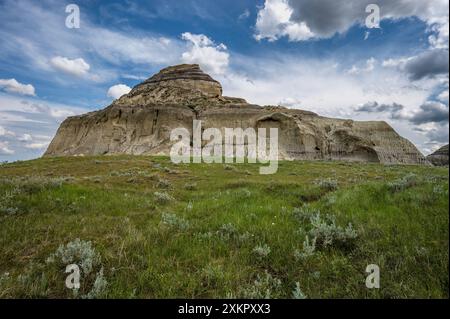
(160, 230)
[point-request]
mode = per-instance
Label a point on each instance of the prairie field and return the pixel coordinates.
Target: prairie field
(143, 227)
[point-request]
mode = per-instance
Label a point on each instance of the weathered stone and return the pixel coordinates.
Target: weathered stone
(141, 121)
(440, 157)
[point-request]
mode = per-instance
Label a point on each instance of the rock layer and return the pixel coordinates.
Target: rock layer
(140, 123)
(440, 157)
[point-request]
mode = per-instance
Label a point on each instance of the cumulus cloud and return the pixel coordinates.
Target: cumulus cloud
(325, 18)
(394, 109)
(213, 58)
(274, 21)
(77, 67)
(431, 111)
(116, 91)
(4, 148)
(428, 64)
(13, 86)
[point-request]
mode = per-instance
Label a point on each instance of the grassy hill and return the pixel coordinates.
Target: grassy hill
(142, 227)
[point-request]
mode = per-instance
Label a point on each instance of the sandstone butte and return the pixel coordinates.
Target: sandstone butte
(440, 157)
(140, 123)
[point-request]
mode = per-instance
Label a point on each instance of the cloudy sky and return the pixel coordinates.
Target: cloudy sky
(317, 55)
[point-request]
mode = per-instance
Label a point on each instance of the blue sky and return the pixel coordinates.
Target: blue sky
(316, 55)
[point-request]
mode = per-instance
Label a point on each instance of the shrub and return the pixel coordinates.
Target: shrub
(327, 184)
(304, 213)
(264, 287)
(190, 186)
(82, 253)
(227, 231)
(77, 252)
(309, 249)
(403, 183)
(175, 221)
(261, 251)
(297, 293)
(163, 183)
(327, 233)
(163, 198)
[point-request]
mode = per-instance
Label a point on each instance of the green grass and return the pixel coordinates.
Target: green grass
(196, 238)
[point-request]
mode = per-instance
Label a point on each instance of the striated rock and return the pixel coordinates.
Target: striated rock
(440, 157)
(141, 121)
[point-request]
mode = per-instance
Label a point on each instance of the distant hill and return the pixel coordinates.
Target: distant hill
(440, 157)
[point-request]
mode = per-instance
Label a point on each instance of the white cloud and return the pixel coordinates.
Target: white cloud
(443, 96)
(325, 18)
(25, 138)
(37, 146)
(244, 15)
(77, 67)
(274, 21)
(116, 91)
(12, 86)
(369, 67)
(5, 132)
(212, 58)
(4, 149)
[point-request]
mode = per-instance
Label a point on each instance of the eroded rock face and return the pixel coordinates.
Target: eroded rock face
(141, 121)
(440, 157)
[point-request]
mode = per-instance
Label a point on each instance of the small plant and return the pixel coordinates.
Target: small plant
(82, 253)
(261, 251)
(328, 233)
(77, 252)
(99, 286)
(309, 249)
(264, 287)
(304, 213)
(175, 221)
(297, 293)
(407, 181)
(245, 193)
(163, 198)
(190, 186)
(163, 183)
(327, 184)
(212, 274)
(227, 231)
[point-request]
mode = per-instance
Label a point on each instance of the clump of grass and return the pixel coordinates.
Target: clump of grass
(261, 251)
(264, 287)
(163, 198)
(327, 184)
(174, 221)
(407, 181)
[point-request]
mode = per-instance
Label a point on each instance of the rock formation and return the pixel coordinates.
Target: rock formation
(141, 121)
(440, 157)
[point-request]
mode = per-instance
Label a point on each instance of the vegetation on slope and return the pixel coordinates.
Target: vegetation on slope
(142, 227)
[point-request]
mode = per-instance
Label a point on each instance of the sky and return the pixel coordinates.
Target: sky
(316, 55)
